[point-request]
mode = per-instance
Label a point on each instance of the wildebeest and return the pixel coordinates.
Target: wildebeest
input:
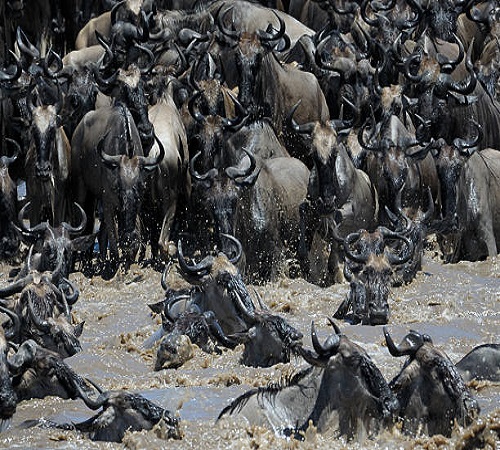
(8, 397)
(54, 247)
(44, 313)
(370, 261)
(257, 205)
(267, 86)
(342, 390)
(109, 166)
(431, 393)
(123, 411)
(269, 340)
(337, 191)
(188, 328)
(38, 373)
(170, 186)
(212, 285)
(9, 240)
(48, 165)
(471, 186)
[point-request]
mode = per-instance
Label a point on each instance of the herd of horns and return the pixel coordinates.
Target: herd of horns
(226, 143)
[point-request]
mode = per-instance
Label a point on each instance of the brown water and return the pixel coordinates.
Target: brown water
(458, 305)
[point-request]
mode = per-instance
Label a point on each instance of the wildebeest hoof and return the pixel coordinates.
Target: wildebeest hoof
(109, 271)
(174, 351)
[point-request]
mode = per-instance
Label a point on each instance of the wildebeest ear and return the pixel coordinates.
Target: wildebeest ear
(158, 307)
(25, 355)
(82, 243)
(79, 329)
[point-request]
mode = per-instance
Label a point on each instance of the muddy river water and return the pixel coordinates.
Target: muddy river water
(457, 305)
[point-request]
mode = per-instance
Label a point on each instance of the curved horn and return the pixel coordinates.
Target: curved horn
(25, 46)
(149, 162)
(16, 287)
(329, 348)
(463, 145)
(413, 78)
(232, 34)
(200, 269)
(305, 128)
(78, 229)
(467, 86)
(410, 344)
(350, 239)
(361, 139)
(405, 256)
(91, 403)
(114, 10)
(449, 65)
(249, 315)
(195, 112)
(364, 15)
(111, 161)
(5, 76)
(334, 325)
(239, 248)
(266, 36)
(208, 176)
(75, 292)
(47, 62)
(151, 58)
(16, 323)
(217, 332)
(234, 172)
(37, 229)
(107, 52)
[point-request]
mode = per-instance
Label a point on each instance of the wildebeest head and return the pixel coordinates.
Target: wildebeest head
(450, 160)
(123, 411)
(269, 339)
(220, 191)
(440, 17)
(127, 86)
(40, 373)
(46, 318)
(79, 99)
(46, 121)
(57, 244)
(433, 85)
(326, 187)
(369, 265)
(249, 53)
(429, 388)
(222, 286)
(369, 400)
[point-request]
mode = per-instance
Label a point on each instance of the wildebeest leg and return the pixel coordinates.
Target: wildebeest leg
(307, 230)
(164, 237)
(88, 203)
(487, 235)
(334, 262)
(111, 229)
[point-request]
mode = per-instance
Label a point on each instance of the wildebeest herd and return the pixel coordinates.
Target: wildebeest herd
(226, 143)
